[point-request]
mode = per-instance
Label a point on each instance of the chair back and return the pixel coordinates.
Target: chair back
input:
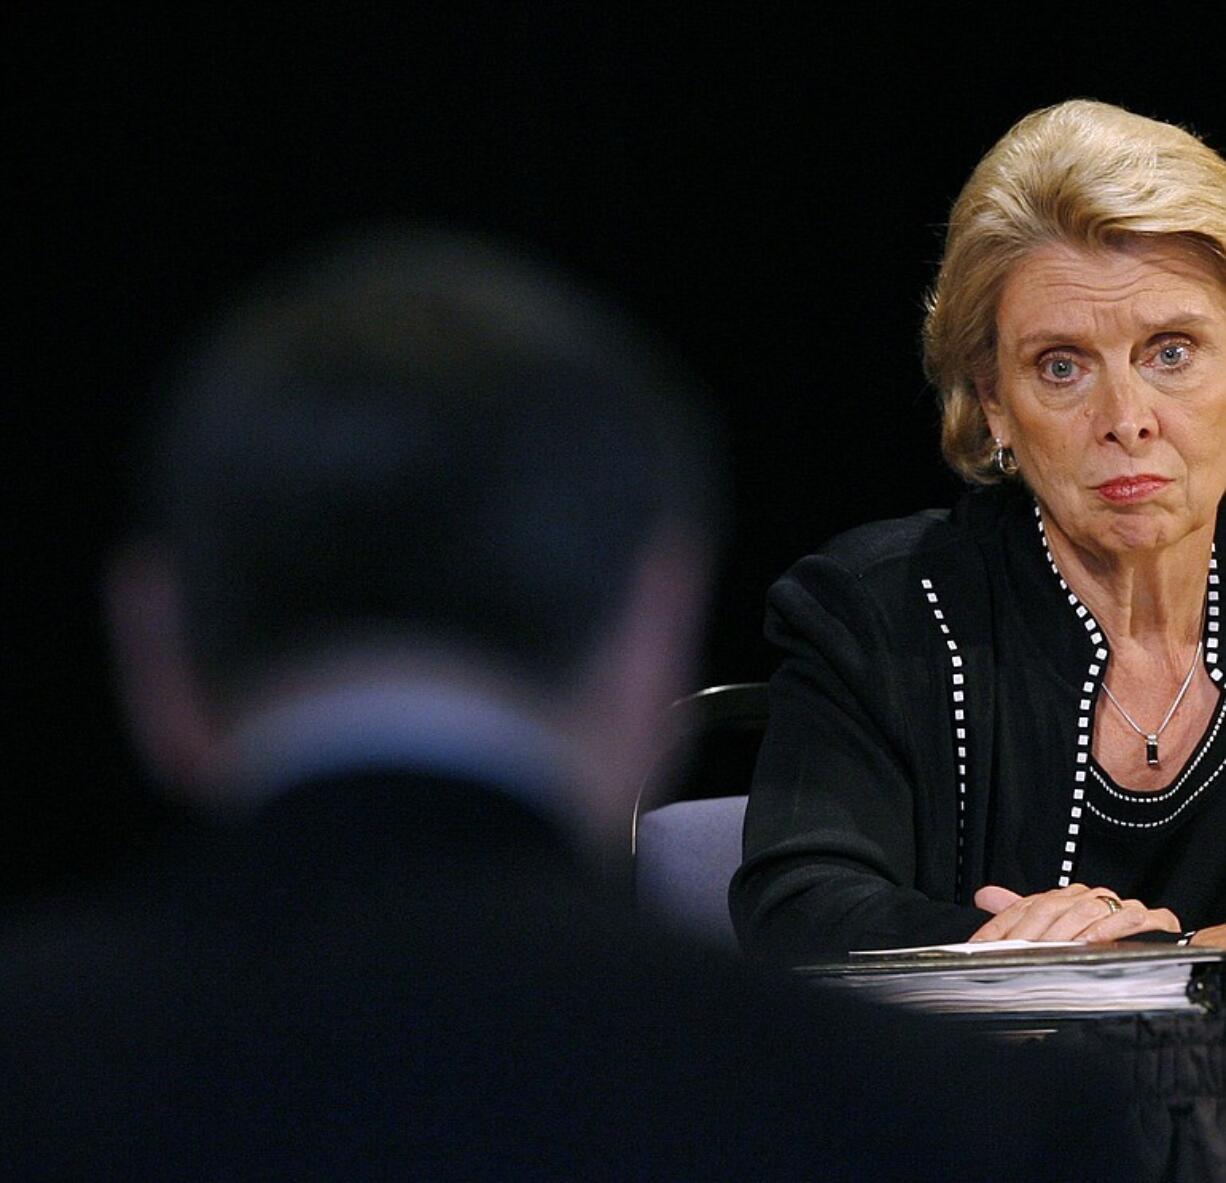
(690, 813)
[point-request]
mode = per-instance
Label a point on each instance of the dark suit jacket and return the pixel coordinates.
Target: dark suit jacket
(401, 976)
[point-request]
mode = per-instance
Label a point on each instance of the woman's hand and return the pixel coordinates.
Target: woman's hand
(1073, 913)
(1213, 938)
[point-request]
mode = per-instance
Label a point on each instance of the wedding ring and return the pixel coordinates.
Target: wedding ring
(1113, 905)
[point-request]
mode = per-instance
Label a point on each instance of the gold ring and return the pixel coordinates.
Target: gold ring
(1113, 905)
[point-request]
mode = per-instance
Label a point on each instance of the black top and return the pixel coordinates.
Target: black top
(1165, 845)
(930, 733)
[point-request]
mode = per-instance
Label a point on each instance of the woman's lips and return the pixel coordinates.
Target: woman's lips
(1124, 489)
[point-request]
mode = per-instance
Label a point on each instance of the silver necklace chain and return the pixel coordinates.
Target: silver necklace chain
(1151, 737)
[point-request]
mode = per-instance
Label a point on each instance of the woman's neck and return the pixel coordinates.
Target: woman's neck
(1153, 599)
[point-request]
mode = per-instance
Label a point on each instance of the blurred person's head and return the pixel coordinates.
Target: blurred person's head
(420, 458)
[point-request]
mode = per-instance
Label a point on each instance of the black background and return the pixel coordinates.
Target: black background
(763, 184)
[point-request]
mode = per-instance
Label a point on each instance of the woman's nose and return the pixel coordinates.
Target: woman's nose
(1123, 409)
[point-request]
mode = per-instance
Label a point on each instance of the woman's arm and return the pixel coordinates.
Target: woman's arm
(832, 843)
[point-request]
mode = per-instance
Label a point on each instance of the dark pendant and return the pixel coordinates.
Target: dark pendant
(1151, 751)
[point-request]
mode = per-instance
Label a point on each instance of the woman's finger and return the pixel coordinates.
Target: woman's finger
(1133, 917)
(1000, 926)
(1073, 913)
(1029, 917)
(1066, 918)
(992, 898)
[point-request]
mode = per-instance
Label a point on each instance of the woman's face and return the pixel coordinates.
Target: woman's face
(1110, 388)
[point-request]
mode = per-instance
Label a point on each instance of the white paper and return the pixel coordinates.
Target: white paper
(961, 984)
(1087, 988)
(967, 947)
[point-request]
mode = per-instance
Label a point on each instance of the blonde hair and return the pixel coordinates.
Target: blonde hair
(1082, 172)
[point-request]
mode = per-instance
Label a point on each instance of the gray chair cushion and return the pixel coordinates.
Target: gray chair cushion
(686, 856)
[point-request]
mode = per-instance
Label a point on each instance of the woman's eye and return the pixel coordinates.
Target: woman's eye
(1059, 369)
(1172, 356)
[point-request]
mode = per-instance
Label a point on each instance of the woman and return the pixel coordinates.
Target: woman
(1007, 721)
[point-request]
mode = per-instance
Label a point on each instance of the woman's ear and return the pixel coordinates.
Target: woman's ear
(993, 411)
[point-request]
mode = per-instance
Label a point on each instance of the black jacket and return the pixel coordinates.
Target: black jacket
(930, 733)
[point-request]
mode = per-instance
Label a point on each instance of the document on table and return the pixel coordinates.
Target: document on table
(1034, 977)
(979, 948)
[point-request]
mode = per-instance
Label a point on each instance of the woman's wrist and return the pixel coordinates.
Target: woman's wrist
(1213, 937)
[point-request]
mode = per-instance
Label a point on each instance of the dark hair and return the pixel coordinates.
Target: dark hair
(418, 435)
